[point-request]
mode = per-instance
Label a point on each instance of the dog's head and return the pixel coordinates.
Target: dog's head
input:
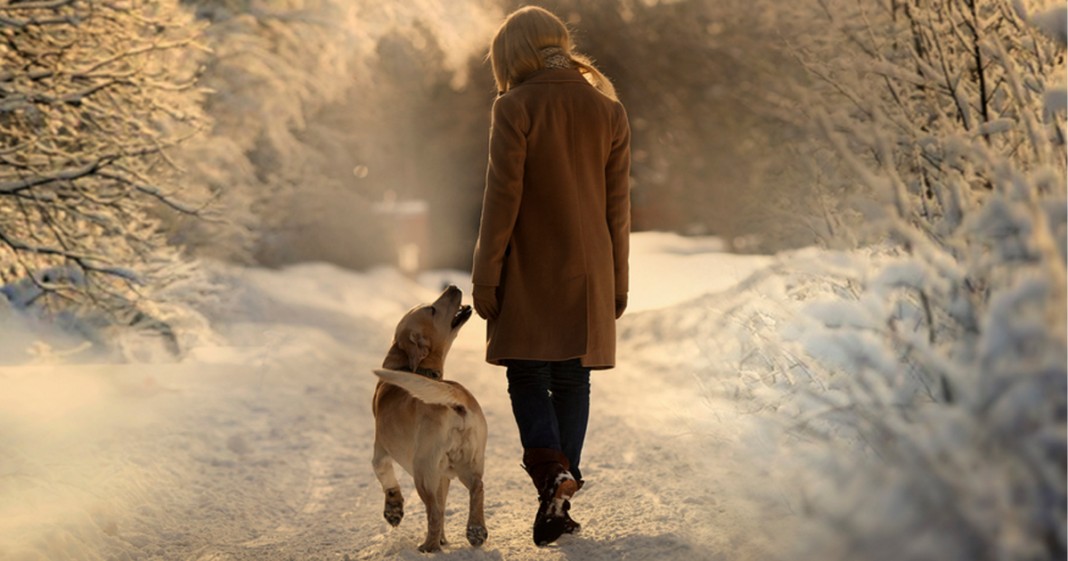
(427, 331)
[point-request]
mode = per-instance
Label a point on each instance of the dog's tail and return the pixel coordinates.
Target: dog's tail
(422, 388)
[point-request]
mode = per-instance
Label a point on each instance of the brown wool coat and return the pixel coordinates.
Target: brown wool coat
(555, 220)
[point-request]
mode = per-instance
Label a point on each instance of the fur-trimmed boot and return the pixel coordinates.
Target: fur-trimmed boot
(549, 470)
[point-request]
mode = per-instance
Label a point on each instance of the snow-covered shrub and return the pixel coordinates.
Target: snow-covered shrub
(956, 400)
(934, 423)
(93, 98)
(163, 322)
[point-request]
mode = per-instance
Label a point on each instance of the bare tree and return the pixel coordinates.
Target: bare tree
(93, 97)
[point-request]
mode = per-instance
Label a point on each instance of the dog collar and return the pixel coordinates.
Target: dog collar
(432, 374)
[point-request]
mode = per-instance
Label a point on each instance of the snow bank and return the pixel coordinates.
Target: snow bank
(667, 269)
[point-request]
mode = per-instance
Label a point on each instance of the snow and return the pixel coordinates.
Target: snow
(258, 446)
(667, 269)
(746, 420)
(25, 291)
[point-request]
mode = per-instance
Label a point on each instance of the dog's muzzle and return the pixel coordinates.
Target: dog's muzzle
(461, 317)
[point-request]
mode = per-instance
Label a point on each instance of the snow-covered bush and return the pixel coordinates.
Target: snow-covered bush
(933, 424)
(956, 400)
(163, 322)
(94, 98)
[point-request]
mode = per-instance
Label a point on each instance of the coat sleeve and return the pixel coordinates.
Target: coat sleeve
(504, 189)
(617, 183)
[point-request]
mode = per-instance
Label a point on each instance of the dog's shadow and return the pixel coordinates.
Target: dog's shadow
(401, 545)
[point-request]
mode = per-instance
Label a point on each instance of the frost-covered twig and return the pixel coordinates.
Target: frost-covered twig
(89, 111)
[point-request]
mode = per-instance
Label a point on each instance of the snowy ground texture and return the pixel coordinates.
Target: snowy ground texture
(257, 445)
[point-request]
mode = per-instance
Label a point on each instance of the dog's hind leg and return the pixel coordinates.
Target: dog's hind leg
(476, 516)
(433, 489)
(383, 466)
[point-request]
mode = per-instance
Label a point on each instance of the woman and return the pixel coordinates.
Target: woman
(550, 264)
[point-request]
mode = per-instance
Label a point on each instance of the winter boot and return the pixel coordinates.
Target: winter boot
(552, 519)
(570, 525)
(549, 470)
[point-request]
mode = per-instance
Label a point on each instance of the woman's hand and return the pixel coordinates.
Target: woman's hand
(485, 298)
(621, 305)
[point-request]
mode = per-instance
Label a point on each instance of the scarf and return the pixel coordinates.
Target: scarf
(554, 57)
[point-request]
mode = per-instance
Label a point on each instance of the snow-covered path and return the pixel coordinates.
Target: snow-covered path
(259, 448)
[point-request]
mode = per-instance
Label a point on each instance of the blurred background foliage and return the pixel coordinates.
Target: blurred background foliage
(350, 131)
(324, 109)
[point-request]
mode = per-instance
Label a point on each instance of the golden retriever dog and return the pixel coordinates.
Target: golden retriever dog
(433, 428)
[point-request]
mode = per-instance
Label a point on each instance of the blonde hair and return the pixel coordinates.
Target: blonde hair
(516, 50)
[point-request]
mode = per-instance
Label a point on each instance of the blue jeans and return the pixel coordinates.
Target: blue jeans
(551, 405)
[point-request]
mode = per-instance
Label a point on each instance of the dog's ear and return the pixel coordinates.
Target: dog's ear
(416, 346)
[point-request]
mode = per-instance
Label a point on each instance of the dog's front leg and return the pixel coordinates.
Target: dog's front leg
(433, 489)
(383, 466)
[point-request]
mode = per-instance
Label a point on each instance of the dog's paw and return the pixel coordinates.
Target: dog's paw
(476, 535)
(394, 511)
(394, 514)
(430, 547)
(394, 517)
